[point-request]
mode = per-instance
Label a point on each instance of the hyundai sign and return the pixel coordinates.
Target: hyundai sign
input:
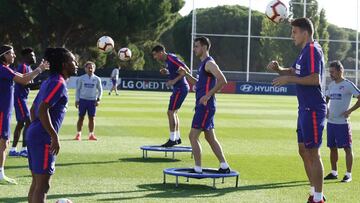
(264, 88)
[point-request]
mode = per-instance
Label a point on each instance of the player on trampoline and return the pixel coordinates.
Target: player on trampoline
(180, 90)
(210, 81)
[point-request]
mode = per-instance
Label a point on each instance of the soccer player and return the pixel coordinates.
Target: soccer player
(20, 102)
(47, 114)
(180, 90)
(339, 93)
(88, 95)
(210, 81)
(114, 79)
(306, 73)
(7, 78)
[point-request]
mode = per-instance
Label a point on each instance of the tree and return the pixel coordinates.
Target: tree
(78, 24)
(338, 50)
(322, 30)
(229, 52)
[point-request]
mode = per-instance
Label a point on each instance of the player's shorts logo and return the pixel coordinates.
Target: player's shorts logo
(246, 88)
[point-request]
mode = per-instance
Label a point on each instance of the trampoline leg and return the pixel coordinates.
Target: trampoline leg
(237, 181)
(173, 155)
(143, 154)
(192, 155)
(187, 179)
(223, 180)
(146, 154)
(164, 180)
(214, 183)
(165, 154)
(177, 181)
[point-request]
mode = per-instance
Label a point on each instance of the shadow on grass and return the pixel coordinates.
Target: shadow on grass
(195, 190)
(159, 190)
(149, 160)
(68, 164)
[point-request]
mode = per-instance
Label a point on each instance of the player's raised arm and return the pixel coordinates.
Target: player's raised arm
(311, 80)
(191, 79)
(274, 66)
(26, 78)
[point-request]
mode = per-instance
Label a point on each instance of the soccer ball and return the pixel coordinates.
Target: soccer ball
(276, 11)
(124, 54)
(105, 44)
(63, 200)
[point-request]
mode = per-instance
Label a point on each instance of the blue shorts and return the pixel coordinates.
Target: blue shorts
(204, 117)
(339, 135)
(114, 82)
(88, 106)
(5, 119)
(310, 126)
(41, 161)
(21, 110)
(177, 98)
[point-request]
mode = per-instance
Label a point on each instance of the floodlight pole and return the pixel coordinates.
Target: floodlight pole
(357, 45)
(304, 14)
(248, 45)
(193, 33)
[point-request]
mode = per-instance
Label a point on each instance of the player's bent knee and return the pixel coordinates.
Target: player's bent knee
(348, 150)
(3, 144)
(302, 152)
(45, 188)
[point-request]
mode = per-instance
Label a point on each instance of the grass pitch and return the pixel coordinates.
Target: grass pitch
(257, 134)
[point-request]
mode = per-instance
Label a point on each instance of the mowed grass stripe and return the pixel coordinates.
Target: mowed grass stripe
(257, 134)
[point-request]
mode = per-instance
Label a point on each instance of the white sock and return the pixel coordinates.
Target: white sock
(312, 190)
(79, 133)
(177, 135)
(13, 149)
(318, 196)
(2, 173)
(198, 169)
(224, 165)
(172, 136)
(91, 133)
(335, 173)
(348, 174)
(24, 148)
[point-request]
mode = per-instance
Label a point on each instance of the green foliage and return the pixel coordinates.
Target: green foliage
(338, 51)
(323, 33)
(78, 24)
(230, 53)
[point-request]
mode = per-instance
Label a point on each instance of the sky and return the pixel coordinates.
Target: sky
(341, 13)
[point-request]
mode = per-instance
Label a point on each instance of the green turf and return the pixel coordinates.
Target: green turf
(256, 132)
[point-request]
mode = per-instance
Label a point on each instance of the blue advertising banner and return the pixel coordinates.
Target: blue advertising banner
(264, 88)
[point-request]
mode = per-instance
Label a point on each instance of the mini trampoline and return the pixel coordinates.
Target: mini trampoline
(207, 173)
(174, 149)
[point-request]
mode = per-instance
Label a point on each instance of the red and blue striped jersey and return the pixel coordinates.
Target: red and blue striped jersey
(6, 89)
(310, 60)
(172, 64)
(53, 91)
(22, 91)
(206, 81)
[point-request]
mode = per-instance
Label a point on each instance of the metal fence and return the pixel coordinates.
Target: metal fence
(351, 73)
